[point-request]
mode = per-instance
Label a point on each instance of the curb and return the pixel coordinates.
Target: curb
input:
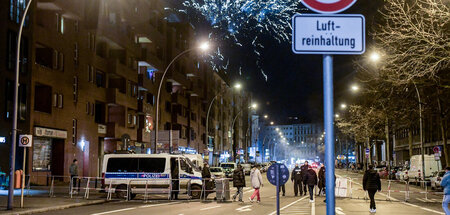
(41, 210)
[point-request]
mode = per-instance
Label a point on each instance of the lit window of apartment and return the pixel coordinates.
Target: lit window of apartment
(74, 131)
(75, 88)
(17, 9)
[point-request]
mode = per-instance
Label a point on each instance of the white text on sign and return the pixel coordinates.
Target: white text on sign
(328, 34)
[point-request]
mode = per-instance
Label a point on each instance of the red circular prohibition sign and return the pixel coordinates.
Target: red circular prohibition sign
(335, 7)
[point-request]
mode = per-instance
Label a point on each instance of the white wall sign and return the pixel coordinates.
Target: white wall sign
(2, 139)
(47, 132)
(328, 34)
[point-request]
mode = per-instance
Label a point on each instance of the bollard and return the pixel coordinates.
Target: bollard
(351, 187)
(146, 190)
(71, 187)
(51, 192)
(426, 191)
(203, 189)
(86, 192)
(406, 191)
(28, 185)
(108, 196)
(389, 190)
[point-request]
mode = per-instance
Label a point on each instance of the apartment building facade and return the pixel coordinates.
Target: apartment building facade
(90, 71)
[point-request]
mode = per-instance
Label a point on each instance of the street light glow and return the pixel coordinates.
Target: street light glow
(254, 105)
(265, 116)
(336, 115)
(238, 86)
(204, 46)
(354, 88)
(277, 129)
(271, 123)
(375, 57)
(343, 106)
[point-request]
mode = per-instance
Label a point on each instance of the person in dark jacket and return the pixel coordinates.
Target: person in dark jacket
(296, 177)
(310, 179)
(73, 170)
(372, 183)
(321, 184)
(304, 170)
(239, 182)
(175, 178)
(206, 175)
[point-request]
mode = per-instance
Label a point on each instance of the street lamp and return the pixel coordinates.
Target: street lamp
(343, 106)
(271, 123)
(336, 115)
(375, 57)
(253, 106)
(236, 86)
(354, 88)
(266, 116)
(203, 47)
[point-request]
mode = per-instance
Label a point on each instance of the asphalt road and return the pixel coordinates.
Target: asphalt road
(290, 204)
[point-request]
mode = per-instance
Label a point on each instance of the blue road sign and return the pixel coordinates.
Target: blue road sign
(283, 174)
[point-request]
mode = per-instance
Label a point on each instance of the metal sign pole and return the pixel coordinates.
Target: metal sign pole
(329, 131)
(277, 177)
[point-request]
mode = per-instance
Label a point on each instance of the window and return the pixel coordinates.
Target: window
(75, 53)
(9, 98)
(76, 25)
(168, 107)
(42, 150)
(100, 109)
(43, 98)
(132, 89)
(150, 165)
(90, 73)
(62, 25)
(75, 88)
(193, 117)
(184, 166)
(100, 79)
(60, 101)
(150, 99)
(16, 10)
(46, 56)
(74, 131)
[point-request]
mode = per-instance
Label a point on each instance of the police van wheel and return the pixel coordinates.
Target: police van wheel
(121, 191)
(196, 191)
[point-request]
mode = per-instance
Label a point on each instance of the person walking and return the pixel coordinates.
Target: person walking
(73, 170)
(321, 184)
(372, 183)
(310, 180)
(239, 182)
(296, 177)
(304, 170)
(445, 183)
(257, 182)
(282, 189)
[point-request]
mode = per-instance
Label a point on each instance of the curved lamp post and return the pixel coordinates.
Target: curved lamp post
(204, 46)
(253, 106)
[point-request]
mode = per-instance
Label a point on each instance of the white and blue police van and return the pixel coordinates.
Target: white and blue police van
(135, 172)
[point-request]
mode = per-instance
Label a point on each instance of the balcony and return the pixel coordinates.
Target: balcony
(113, 130)
(115, 67)
(114, 96)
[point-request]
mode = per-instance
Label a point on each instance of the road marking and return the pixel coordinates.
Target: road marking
(313, 208)
(127, 209)
(245, 208)
(115, 211)
(405, 203)
(339, 211)
(209, 208)
(304, 197)
(248, 191)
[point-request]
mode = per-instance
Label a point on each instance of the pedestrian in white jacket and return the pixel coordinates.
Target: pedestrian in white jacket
(257, 183)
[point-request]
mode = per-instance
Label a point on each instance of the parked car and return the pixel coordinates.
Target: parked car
(436, 179)
(217, 172)
(228, 169)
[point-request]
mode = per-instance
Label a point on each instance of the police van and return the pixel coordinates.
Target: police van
(154, 171)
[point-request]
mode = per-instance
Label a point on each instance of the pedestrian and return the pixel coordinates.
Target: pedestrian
(175, 178)
(310, 180)
(296, 178)
(206, 175)
(321, 184)
(304, 170)
(282, 188)
(445, 183)
(73, 170)
(257, 183)
(372, 183)
(239, 182)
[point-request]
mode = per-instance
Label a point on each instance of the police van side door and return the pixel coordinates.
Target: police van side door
(186, 172)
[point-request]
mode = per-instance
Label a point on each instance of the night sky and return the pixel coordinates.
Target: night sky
(294, 82)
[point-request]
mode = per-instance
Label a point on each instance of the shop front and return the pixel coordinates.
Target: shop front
(48, 154)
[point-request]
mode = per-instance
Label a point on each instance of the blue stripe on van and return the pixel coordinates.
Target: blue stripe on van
(184, 176)
(131, 175)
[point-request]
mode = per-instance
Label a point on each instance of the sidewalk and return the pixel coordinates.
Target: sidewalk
(43, 204)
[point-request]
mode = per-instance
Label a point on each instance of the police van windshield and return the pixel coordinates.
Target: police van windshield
(225, 165)
(151, 165)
